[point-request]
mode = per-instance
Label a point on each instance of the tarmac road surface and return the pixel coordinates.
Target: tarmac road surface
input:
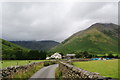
(46, 73)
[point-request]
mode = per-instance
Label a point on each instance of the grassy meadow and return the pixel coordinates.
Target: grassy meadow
(8, 63)
(108, 68)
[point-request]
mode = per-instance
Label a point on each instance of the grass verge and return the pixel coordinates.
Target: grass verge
(58, 74)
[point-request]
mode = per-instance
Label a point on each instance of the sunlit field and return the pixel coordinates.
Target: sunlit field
(108, 68)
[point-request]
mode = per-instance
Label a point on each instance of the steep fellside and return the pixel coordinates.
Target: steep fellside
(6, 45)
(99, 38)
(12, 51)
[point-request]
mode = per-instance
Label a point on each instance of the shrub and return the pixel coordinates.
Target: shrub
(47, 63)
(110, 56)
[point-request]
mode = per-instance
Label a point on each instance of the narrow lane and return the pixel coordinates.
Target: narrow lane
(45, 73)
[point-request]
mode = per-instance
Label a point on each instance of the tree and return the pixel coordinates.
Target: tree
(78, 55)
(19, 54)
(85, 54)
(110, 56)
(116, 56)
(33, 54)
(43, 54)
(61, 54)
(90, 56)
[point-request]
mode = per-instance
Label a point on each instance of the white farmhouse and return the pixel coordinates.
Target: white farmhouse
(56, 56)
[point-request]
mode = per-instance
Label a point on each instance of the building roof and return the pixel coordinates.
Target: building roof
(70, 54)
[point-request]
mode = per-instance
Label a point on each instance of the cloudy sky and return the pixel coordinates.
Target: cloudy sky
(53, 20)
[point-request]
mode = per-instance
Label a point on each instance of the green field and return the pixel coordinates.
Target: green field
(108, 68)
(8, 63)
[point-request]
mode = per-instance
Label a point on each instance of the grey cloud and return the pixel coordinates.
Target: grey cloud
(52, 20)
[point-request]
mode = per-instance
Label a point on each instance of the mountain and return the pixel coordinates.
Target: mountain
(12, 51)
(98, 38)
(6, 45)
(37, 45)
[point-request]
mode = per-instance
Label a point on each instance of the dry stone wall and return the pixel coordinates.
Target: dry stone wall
(13, 69)
(71, 72)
